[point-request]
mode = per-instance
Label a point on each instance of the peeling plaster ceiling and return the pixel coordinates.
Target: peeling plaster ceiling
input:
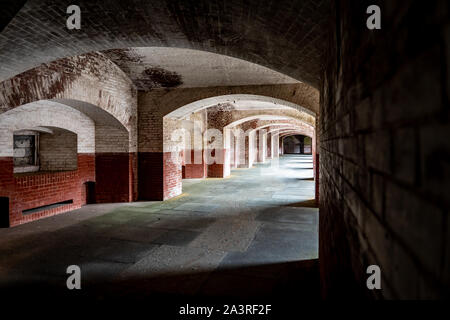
(161, 67)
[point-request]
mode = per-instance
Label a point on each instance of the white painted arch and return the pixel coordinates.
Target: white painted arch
(238, 102)
(46, 114)
(268, 117)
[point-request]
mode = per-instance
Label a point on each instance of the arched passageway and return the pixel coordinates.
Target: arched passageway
(148, 92)
(297, 144)
(197, 138)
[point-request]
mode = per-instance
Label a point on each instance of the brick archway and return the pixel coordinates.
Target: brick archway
(66, 81)
(101, 156)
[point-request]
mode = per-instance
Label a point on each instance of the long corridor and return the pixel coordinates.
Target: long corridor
(221, 237)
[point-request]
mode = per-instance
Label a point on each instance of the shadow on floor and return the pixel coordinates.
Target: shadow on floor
(297, 280)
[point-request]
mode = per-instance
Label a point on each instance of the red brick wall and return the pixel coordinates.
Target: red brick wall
(114, 177)
(6, 176)
(159, 178)
(217, 170)
(133, 176)
(316, 175)
(150, 173)
(28, 191)
(172, 177)
(193, 170)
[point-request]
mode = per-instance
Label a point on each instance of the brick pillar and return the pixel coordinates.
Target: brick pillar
(159, 176)
(133, 178)
(316, 159)
(195, 167)
(151, 174)
(250, 150)
(159, 170)
(255, 147)
(245, 158)
(218, 153)
(269, 146)
(116, 167)
(219, 168)
(262, 146)
(302, 145)
(281, 146)
(273, 148)
(6, 190)
(316, 176)
(238, 158)
(232, 149)
(115, 177)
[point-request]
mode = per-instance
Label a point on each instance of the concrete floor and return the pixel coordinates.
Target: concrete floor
(253, 234)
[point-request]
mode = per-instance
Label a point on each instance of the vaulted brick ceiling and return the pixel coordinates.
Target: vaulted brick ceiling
(285, 35)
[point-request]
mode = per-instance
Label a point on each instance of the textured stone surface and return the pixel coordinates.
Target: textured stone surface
(188, 245)
(383, 177)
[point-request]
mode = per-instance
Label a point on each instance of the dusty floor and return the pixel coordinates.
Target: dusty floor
(249, 235)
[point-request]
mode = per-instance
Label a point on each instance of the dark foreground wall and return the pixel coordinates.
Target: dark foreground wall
(385, 151)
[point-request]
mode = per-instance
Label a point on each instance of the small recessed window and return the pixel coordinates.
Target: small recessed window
(25, 152)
